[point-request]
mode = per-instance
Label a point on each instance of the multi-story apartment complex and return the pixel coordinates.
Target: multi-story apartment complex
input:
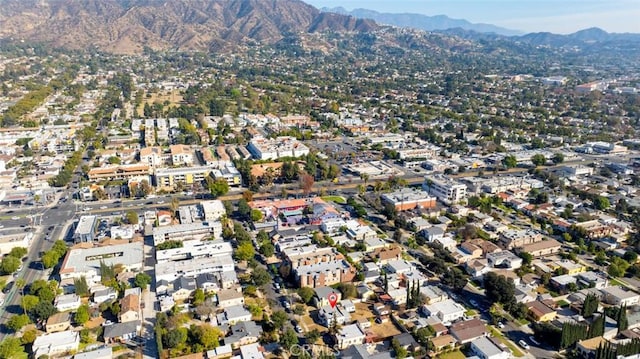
(270, 149)
(448, 191)
(181, 232)
(120, 172)
(321, 274)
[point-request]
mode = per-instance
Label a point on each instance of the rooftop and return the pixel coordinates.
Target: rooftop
(82, 260)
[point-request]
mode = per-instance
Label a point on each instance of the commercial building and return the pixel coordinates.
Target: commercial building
(187, 231)
(86, 262)
(10, 241)
(408, 199)
(444, 189)
(85, 229)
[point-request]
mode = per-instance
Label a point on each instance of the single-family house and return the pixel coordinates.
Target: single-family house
(58, 322)
(129, 309)
(489, 348)
(119, 332)
(243, 333)
(56, 343)
(234, 314)
(229, 297)
(616, 295)
(104, 295)
(540, 312)
(66, 302)
(446, 311)
(467, 331)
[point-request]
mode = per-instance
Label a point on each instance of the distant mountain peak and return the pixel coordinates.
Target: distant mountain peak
(422, 22)
(127, 26)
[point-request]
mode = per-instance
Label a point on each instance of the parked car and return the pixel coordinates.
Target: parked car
(523, 344)
(500, 325)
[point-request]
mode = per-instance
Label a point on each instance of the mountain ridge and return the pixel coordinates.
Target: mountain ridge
(127, 26)
(422, 22)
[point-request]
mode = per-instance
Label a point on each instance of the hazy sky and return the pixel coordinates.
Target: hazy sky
(558, 16)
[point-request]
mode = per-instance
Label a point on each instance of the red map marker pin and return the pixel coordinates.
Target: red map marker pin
(333, 299)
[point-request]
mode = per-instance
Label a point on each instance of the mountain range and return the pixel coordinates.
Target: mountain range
(422, 22)
(127, 26)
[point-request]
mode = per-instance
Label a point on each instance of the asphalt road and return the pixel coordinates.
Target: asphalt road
(51, 217)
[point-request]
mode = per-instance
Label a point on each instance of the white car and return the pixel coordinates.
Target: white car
(103, 207)
(15, 218)
(523, 344)
(501, 325)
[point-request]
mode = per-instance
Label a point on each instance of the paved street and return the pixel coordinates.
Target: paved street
(55, 218)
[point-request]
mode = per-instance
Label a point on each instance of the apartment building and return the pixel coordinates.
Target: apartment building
(270, 149)
(120, 172)
(181, 155)
(444, 189)
(187, 231)
(321, 274)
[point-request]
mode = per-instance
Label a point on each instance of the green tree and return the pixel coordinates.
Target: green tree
(9, 265)
(219, 187)
(17, 252)
(176, 337)
(289, 339)
(401, 352)
(17, 322)
(510, 161)
(267, 249)
(538, 159)
(29, 336)
(590, 305)
(244, 210)
(131, 217)
(206, 335)
(278, 318)
(142, 280)
(245, 251)
(82, 314)
(198, 297)
(348, 290)
(81, 286)
(260, 276)
(601, 203)
(256, 215)
(306, 294)
(43, 310)
(11, 348)
(558, 158)
(28, 302)
(622, 321)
